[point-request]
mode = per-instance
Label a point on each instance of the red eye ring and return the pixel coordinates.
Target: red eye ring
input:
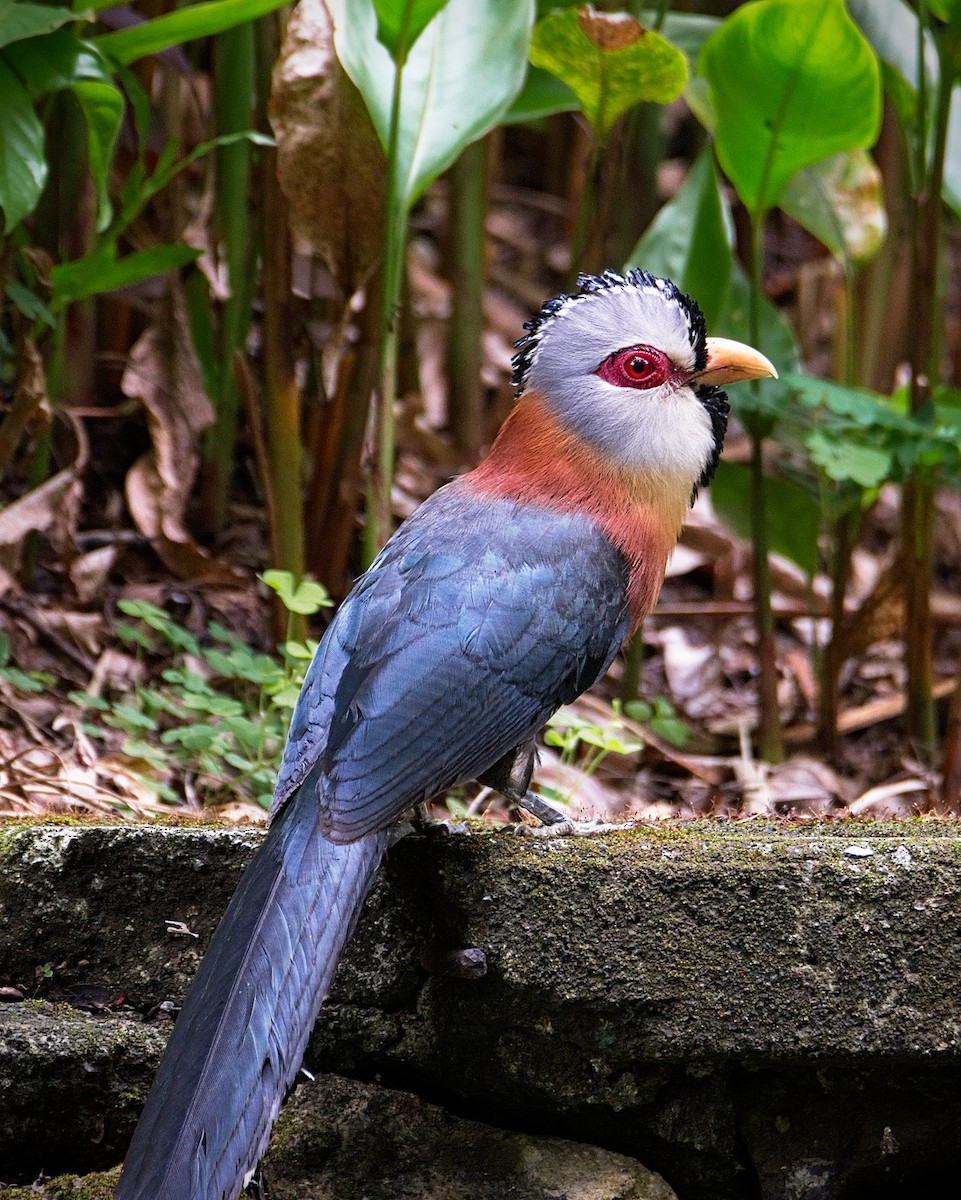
(636, 367)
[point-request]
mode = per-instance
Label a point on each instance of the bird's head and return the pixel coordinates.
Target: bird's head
(626, 365)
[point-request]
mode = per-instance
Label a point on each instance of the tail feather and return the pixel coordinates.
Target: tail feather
(243, 1030)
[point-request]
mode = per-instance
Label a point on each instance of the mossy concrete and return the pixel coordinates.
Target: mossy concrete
(750, 1009)
(340, 1139)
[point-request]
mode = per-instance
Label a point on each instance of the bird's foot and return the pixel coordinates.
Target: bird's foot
(547, 814)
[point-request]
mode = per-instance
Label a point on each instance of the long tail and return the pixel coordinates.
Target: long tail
(243, 1030)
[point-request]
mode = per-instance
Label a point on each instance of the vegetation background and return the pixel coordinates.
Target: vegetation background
(260, 272)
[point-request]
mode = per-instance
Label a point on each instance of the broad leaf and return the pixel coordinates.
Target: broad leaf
(947, 10)
(609, 61)
(791, 84)
(102, 107)
(840, 201)
(101, 271)
(23, 167)
(792, 514)
(891, 27)
(460, 78)
(390, 23)
(687, 31)
(62, 61)
(763, 398)
(19, 21)
(542, 95)
(184, 25)
(690, 241)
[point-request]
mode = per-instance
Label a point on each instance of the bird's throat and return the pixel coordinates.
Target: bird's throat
(536, 459)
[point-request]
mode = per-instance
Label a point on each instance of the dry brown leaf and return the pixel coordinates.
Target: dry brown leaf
(609, 31)
(50, 509)
(29, 400)
(89, 572)
(329, 159)
(164, 375)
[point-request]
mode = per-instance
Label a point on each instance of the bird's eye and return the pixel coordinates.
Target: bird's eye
(637, 367)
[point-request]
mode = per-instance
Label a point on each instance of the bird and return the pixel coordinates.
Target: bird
(505, 595)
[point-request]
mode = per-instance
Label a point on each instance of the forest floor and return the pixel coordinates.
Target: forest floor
(101, 714)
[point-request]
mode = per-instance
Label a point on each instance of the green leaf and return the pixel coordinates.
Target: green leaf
(298, 650)
(792, 517)
(137, 748)
(791, 83)
(102, 106)
(62, 61)
(460, 79)
(191, 737)
(23, 166)
(775, 339)
(542, 95)
(135, 636)
(217, 704)
(947, 10)
(687, 31)
(125, 716)
(183, 25)
(846, 462)
(309, 598)
(24, 682)
(101, 271)
(892, 29)
(88, 700)
(841, 202)
(863, 408)
(29, 303)
(690, 240)
(19, 20)
(390, 23)
(609, 61)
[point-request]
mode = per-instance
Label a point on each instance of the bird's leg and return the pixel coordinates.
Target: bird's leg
(511, 776)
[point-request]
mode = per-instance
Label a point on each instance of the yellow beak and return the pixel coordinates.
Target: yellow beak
(731, 362)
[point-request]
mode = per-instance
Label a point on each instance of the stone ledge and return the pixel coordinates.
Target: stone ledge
(752, 1010)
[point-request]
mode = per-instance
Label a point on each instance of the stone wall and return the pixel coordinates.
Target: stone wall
(750, 1010)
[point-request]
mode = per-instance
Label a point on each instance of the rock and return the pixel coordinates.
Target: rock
(342, 1140)
(748, 1009)
(98, 1186)
(70, 1086)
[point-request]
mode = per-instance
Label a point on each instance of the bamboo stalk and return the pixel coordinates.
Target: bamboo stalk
(468, 210)
(235, 89)
(770, 740)
(917, 525)
(378, 524)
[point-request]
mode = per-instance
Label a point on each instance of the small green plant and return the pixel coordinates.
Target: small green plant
(218, 714)
(22, 681)
(571, 733)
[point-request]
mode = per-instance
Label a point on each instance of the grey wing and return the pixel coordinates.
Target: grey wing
(478, 620)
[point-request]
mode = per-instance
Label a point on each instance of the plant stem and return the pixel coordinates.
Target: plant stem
(378, 525)
(770, 742)
(633, 664)
(468, 209)
(336, 453)
(844, 536)
(585, 214)
(917, 526)
(235, 89)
